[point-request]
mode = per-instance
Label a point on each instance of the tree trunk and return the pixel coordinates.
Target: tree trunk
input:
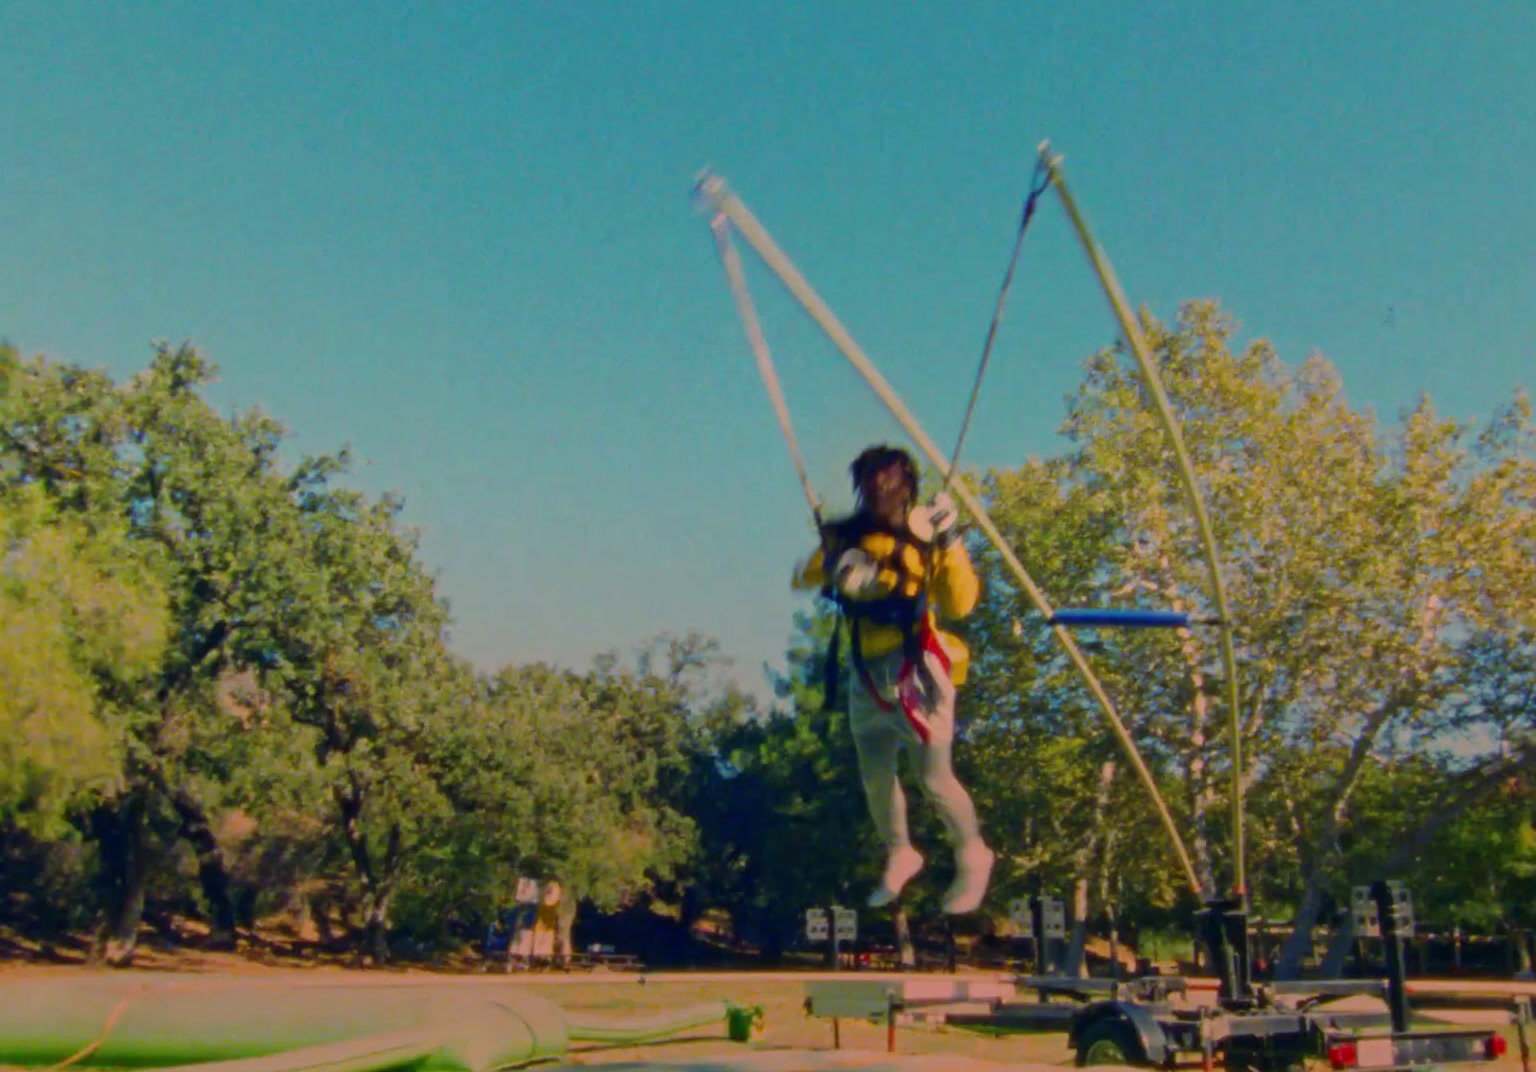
(197, 831)
(1076, 960)
(119, 829)
(1339, 948)
(320, 904)
(1075, 963)
(829, 957)
(906, 952)
(376, 877)
(1113, 923)
(690, 911)
(376, 929)
(1327, 845)
(1200, 795)
(770, 937)
(1108, 898)
(1474, 786)
(211, 872)
(565, 923)
(1299, 945)
(1469, 789)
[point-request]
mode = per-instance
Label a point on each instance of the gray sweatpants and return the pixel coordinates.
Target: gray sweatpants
(881, 735)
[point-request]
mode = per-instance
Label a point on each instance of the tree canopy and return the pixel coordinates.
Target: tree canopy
(227, 684)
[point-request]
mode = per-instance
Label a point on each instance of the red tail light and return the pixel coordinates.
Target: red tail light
(1496, 1046)
(1343, 1055)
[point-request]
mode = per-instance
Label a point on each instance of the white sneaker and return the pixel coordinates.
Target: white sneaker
(973, 867)
(900, 866)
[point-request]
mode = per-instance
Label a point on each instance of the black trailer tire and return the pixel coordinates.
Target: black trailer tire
(1109, 1042)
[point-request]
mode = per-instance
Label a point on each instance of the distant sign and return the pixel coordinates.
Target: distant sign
(1018, 913)
(1367, 911)
(842, 923)
(1053, 917)
(846, 924)
(816, 929)
(1363, 907)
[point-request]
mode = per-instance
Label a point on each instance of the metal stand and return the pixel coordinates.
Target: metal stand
(1394, 911)
(1223, 924)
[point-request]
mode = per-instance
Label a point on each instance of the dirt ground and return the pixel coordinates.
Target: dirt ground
(786, 1025)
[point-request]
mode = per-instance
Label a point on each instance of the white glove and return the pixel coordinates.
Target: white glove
(942, 515)
(935, 522)
(856, 573)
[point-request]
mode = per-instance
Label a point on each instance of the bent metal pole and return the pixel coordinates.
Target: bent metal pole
(1138, 345)
(728, 204)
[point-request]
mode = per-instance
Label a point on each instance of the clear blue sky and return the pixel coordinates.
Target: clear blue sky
(458, 238)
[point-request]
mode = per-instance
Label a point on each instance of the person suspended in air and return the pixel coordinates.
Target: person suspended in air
(894, 567)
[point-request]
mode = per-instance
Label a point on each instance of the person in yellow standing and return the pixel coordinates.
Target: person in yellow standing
(894, 568)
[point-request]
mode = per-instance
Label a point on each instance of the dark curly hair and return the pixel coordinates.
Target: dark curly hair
(873, 459)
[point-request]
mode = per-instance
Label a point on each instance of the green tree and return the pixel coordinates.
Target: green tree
(576, 777)
(781, 812)
(85, 621)
(354, 658)
(269, 576)
(1047, 779)
(1363, 571)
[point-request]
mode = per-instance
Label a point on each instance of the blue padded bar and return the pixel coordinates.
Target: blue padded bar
(1123, 619)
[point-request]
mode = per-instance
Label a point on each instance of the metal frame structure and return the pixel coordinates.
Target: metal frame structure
(1272, 1027)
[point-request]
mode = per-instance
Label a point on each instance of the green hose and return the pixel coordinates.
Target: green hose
(635, 1031)
(394, 1050)
(201, 1025)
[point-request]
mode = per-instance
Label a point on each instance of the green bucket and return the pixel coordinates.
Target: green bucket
(743, 1023)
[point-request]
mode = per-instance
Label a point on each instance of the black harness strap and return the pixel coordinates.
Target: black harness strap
(905, 613)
